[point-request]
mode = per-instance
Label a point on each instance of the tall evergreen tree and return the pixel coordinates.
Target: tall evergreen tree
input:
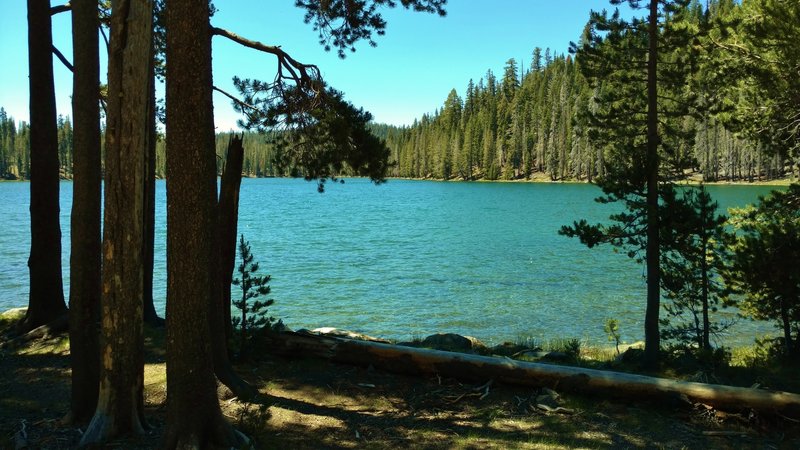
(620, 65)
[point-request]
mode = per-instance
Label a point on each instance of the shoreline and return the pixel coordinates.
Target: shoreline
(535, 180)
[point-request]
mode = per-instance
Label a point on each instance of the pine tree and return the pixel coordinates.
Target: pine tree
(254, 312)
(765, 257)
(691, 265)
(621, 64)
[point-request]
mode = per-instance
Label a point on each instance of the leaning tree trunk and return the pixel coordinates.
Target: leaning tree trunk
(120, 403)
(194, 418)
(84, 295)
(652, 337)
(46, 301)
(227, 218)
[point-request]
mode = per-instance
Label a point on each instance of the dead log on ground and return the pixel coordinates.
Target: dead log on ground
(400, 359)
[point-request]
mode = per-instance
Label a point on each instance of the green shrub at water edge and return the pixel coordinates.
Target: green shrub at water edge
(254, 312)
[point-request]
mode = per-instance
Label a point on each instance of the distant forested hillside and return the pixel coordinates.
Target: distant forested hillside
(534, 121)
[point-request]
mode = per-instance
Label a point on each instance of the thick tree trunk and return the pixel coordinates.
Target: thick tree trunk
(194, 418)
(85, 258)
(46, 302)
(652, 338)
(412, 360)
(119, 407)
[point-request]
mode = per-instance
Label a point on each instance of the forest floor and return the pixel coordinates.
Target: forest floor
(315, 404)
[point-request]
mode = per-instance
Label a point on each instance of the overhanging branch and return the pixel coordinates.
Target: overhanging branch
(305, 75)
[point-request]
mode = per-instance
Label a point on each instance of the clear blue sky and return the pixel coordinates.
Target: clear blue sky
(409, 73)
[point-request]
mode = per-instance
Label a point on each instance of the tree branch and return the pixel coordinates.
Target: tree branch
(305, 75)
(63, 59)
(232, 97)
(60, 8)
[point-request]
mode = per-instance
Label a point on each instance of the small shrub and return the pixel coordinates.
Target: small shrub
(611, 328)
(254, 312)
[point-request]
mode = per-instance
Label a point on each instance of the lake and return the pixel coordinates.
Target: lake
(411, 258)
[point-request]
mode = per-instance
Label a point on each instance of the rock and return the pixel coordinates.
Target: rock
(335, 332)
(14, 313)
(512, 349)
(558, 357)
(631, 355)
(453, 342)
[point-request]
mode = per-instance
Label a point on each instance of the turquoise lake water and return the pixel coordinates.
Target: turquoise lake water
(410, 258)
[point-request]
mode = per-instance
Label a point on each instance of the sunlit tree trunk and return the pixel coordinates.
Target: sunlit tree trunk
(120, 403)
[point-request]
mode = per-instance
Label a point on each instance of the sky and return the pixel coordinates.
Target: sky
(410, 72)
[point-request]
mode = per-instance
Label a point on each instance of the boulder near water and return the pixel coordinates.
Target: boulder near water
(453, 342)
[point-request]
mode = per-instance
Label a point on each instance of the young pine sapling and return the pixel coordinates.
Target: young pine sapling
(254, 312)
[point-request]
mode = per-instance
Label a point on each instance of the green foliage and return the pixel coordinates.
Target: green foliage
(538, 121)
(254, 312)
(341, 23)
(611, 328)
(764, 261)
(691, 261)
(755, 70)
(15, 146)
(316, 134)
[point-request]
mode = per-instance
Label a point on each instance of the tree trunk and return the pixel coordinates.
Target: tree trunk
(194, 418)
(46, 301)
(704, 279)
(85, 257)
(150, 314)
(228, 220)
(652, 338)
(120, 403)
(220, 318)
(395, 358)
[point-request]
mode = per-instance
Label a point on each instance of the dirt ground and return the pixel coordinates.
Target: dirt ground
(313, 404)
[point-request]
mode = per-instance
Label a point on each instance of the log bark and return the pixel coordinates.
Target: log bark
(395, 358)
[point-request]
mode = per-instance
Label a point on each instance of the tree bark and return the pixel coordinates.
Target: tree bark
(194, 418)
(120, 403)
(85, 256)
(228, 212)
(652, 338)
(220, 318)
(46, 301)
(150, 314)
(395, 358)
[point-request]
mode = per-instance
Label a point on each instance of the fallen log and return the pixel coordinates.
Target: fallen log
(400, 359)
